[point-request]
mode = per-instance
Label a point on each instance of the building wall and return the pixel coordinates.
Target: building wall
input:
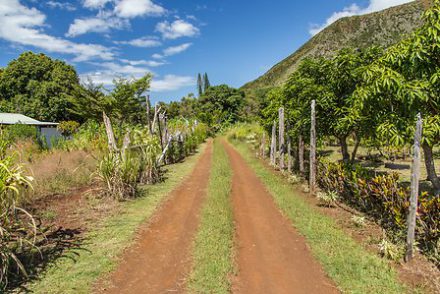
(50, 135)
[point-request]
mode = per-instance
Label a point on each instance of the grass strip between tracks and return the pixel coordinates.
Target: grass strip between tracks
(213, 251)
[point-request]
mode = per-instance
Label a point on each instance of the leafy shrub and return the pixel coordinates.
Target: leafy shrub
(385, 200)
(390, 250)
(328, 198)
(20, 132)
(17, 227)
(118, 175)
(68, 128)
(359, 221)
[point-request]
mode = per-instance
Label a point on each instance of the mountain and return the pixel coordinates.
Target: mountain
(380, 28)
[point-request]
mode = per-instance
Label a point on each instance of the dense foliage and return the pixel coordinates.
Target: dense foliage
(38, 86)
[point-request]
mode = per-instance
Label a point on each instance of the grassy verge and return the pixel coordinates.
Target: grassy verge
(213, 262)
(77, 272)
(352, 268)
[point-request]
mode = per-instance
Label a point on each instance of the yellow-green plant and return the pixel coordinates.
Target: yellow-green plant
(17, 233)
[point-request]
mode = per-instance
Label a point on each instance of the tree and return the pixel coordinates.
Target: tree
(405, 81)
(126, 98)
(38, 86)
(206, 83)
(89, 101)
(200, 84)
(220, 105)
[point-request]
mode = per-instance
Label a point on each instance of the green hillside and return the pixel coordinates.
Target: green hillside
(380, 28)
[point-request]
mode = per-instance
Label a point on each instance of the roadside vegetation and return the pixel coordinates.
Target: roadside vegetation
(352, 268)
(213, 246)
(79, 269)
(118, 145)
(367, 101)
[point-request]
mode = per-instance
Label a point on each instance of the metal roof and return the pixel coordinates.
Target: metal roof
(16, 118)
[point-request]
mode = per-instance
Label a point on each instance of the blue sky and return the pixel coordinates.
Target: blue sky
(233, 41)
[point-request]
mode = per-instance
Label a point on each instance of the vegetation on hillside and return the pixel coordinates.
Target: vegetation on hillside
(382, 28)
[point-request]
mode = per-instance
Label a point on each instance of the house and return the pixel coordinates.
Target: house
(47, 131)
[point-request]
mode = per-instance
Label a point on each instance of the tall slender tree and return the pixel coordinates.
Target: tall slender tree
(200, 84)
(206, 83)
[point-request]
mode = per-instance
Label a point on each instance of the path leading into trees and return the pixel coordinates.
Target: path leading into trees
(271, 256)
(160, 259)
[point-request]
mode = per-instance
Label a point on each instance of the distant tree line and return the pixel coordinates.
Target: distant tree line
(49, 89)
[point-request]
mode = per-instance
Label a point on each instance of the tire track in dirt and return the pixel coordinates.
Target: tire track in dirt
(160, 260)
(272, 257)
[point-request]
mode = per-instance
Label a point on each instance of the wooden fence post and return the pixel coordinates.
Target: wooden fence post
(312, 176)
(147, 101)
(273, 146)
(415, 176)
(263, 145)
(281, 137)
(289, 154)
(110, 134)
(301, 154)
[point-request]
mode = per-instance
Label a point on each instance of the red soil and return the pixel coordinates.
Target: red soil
(160, 260)
(272, 257)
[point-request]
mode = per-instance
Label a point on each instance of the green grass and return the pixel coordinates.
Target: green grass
(213, 261)
(77, 272)
(352, 268)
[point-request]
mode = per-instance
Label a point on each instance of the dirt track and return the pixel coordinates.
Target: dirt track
(272, 257)
(160, 260)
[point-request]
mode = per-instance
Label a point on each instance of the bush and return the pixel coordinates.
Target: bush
(385, 200)
(68, 128)
(17, 227)
(118, 175)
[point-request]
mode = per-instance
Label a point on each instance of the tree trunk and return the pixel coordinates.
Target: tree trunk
(356, 146)
(430, 168)
(344, 149)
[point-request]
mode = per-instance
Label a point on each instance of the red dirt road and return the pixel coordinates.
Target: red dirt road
(272, 257)
(160, 260)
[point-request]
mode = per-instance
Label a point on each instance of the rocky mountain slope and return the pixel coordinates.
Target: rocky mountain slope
(380, 28)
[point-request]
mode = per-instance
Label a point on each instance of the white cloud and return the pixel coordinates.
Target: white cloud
(178, 28)
(113, 70)
(150, 63)
(157, 56)
(100, 24)
(354, 9)
(145, 42)
(176, 49)
(22, 25)
(135, 8)
(61, 5)
(171, 83)
(95, 4)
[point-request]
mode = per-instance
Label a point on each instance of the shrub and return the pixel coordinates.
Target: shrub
(17, 227)
(68, 128)
(385, 200)
(118, 175)
(328, 198)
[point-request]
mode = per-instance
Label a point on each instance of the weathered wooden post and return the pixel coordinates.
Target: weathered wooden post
(263, 145)
(110, 134)
(301, 154)
(289, 154)
(312, 176)
(281, 137)
(273, 145)
(415, 176)
(147, 102)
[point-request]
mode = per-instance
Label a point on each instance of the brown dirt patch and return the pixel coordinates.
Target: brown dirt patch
(160, 260)
(272, 257)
